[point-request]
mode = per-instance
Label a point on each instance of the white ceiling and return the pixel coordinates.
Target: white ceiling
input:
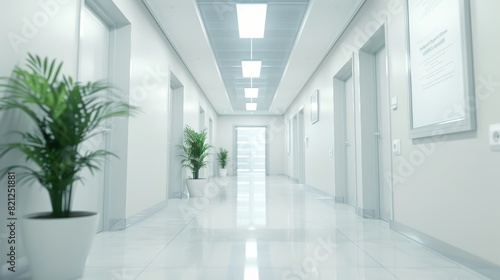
(205, 35)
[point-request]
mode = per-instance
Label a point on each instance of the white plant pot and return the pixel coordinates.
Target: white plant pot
(223, 172)
(57, 249)
(196, 187)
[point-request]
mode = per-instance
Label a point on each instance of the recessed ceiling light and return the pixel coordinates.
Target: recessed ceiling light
(251, 92)
(251, 20)
(251, 106)
(251, 69)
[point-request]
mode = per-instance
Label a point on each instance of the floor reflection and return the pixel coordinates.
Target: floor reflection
(251, 201)
(258, 228)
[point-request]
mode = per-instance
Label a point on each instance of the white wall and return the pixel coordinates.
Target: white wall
(28, 26)
(51, 28)
(276, 138)
(456, 182)
(444, 188)
(318, 162)
(151, 62)
(33, 27)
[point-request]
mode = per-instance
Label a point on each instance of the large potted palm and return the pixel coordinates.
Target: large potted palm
(65, 113)
(194, 157)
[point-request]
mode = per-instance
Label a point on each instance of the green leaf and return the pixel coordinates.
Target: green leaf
(65, 113)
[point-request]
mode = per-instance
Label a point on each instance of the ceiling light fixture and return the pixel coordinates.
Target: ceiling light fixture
(251, 92)
(251, 106)
(251, 20)
(251, 69)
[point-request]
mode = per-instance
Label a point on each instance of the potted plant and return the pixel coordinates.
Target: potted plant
(222, 159)
(194, 157)
(65, 113)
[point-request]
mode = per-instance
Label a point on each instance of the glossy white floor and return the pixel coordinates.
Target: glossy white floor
(263, 228)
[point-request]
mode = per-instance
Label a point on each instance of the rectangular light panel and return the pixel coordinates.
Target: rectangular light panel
(251, 20)
(251, 69)
(251, 92)
(251, 106)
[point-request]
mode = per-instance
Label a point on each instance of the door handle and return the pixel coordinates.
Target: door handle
(104, 129)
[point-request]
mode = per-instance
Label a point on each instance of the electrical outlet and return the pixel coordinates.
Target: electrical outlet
(396, 147)
(394, 103)
(494, 137)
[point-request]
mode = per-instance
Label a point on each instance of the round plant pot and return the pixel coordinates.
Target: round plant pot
(196, 187)
(223, 172)
(57, 248)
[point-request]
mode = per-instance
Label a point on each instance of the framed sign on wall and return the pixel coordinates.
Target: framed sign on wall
(440, 67)
(315, 106)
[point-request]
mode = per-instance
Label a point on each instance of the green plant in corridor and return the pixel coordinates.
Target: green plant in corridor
(195, 150)
(222, 157)
(65, 113)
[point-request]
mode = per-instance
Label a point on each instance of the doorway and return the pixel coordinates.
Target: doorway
(345, 136)
(93, 65)
(212, 157)
(251, 150)
(375, 137)
(384, 141)
(176, 131)
(350, 142)
(299, 147)
(202, 126)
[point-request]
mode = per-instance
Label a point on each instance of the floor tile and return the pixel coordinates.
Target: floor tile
(260, 228)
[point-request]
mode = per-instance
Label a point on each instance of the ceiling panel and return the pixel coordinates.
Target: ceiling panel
(299, 34)
(283, 22)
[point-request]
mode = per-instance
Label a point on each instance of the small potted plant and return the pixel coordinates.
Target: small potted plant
(222, 159)
(65, 113)
(194, 157)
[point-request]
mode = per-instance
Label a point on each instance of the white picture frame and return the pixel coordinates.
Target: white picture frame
(315, 107)
(439, 48)
(288, 136)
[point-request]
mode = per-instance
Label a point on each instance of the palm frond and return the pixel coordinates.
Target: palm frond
(195, 150)
(66, 113)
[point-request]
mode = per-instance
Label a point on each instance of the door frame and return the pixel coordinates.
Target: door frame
(176, 94)
(386, 141)
(369, 149)
(302, 146)
(213, 165)
(298, 143)
(114, 211)
(340, 130)
(235, 147)
(102, 140)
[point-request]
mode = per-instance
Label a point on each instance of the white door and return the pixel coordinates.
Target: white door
(295, 150)
(203, 171)
(251, 150)
(211, 158)
(176, 130)
(299, 147)
(302, 150)
(384, 141)
(350, 142)
(93, 66)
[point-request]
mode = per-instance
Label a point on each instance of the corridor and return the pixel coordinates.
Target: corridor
(258, 227)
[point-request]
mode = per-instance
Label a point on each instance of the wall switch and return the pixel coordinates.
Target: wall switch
(330, 152)
(394, 103)
(494, 137)
(396, 147)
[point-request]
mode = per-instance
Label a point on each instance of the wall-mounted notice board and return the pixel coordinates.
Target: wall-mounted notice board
(440, 67)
